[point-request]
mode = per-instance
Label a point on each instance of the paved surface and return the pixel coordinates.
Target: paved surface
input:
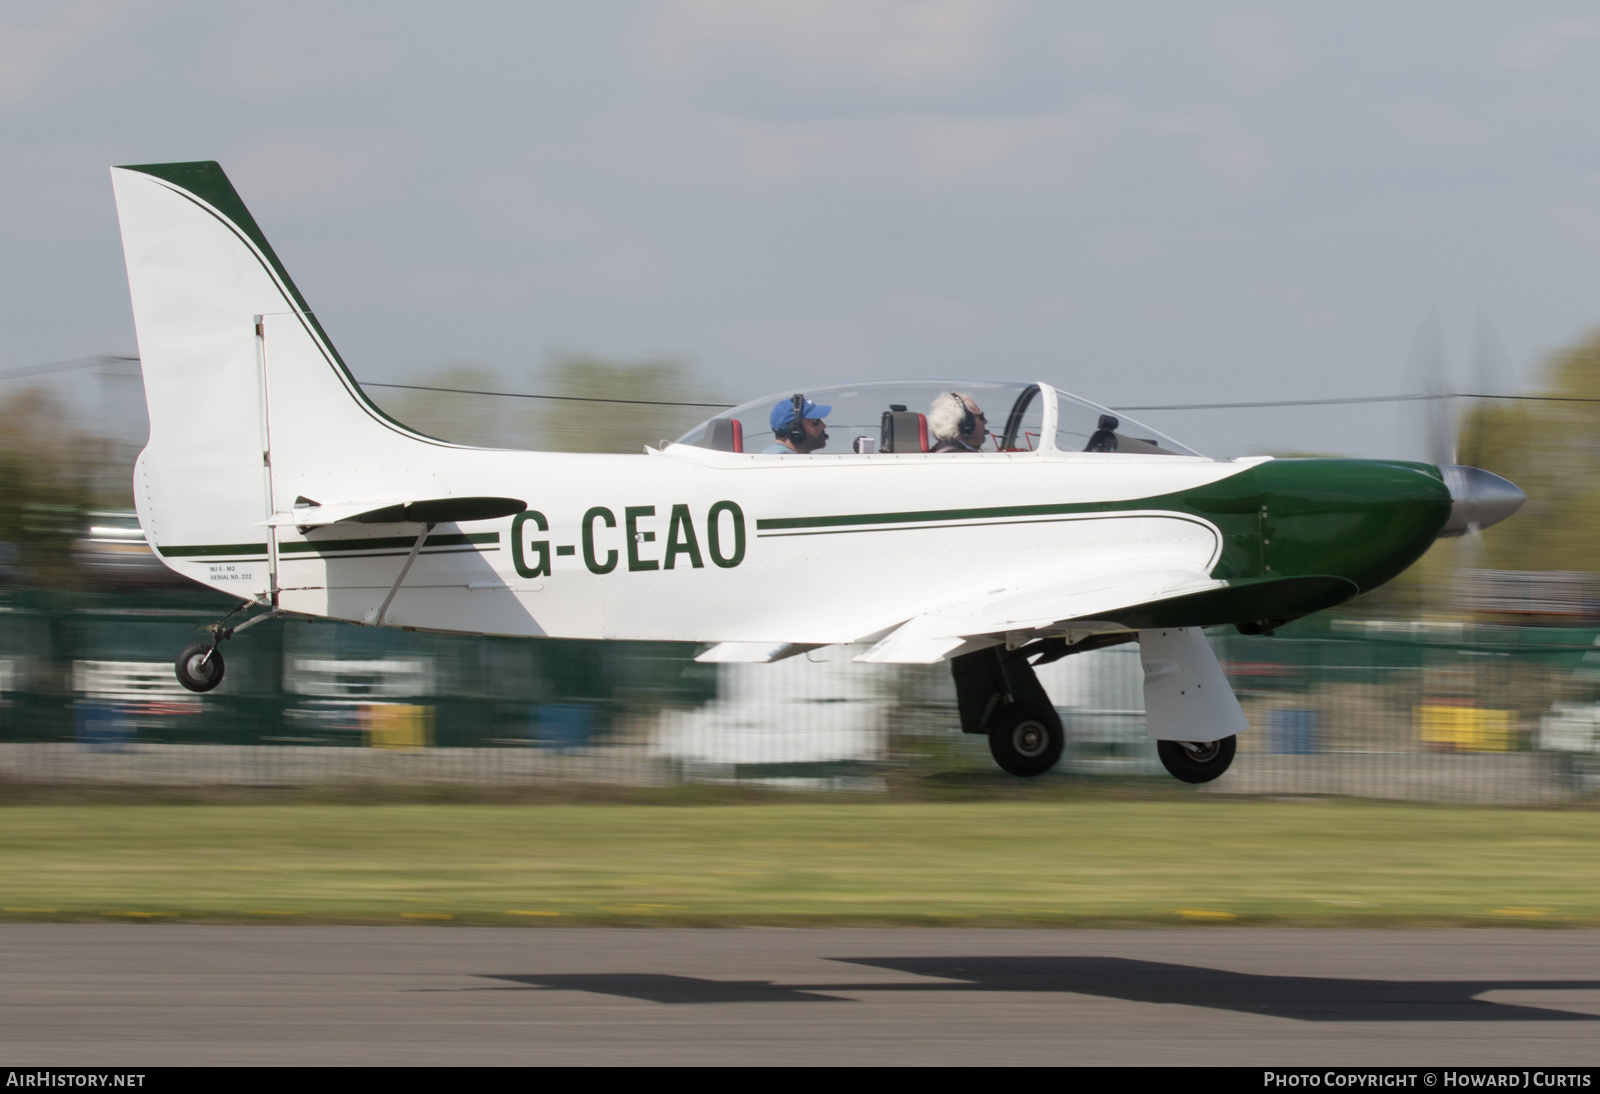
(118, 995)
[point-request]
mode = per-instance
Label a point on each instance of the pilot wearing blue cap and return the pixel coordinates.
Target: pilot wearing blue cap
(797, 427)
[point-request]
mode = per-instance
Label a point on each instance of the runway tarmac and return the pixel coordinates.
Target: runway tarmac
(152, 994)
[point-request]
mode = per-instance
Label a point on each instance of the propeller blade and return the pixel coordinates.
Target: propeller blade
(1427, 368)
(1493, 376)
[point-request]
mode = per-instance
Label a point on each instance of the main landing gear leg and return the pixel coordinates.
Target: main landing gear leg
(200, 666)
(1184, 689)
(1000, 697)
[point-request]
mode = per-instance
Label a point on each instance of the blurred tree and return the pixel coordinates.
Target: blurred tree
(619, 426)
(490, 421)
(1552, 451)
(569, 424)
(48, 475)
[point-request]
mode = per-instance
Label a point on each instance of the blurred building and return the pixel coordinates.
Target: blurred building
(112, 553)
(810, 716)
(1530, 595)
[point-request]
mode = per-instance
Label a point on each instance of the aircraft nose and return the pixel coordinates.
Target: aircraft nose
(1478, 498)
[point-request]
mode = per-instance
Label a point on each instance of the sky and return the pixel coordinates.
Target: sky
(1141, 203)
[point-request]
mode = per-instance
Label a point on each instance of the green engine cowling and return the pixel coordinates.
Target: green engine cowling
(1362, 520)
(1302, 535)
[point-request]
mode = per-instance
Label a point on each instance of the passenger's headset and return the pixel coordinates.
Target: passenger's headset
(796, 432)
(968, 420)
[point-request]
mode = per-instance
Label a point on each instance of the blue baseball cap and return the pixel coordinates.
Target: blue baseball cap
(783, 413)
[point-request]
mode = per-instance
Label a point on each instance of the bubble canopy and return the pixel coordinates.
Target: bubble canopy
(892, 416)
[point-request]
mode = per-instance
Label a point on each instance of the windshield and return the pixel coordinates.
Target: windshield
(908, 416)
(1082, 426)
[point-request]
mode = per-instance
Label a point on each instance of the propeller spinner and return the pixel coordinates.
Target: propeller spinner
(1479, 499)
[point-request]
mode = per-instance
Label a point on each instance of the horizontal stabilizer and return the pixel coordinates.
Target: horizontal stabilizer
(395, 511)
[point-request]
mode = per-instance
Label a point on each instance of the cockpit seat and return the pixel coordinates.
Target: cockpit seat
(727, 435)
(904, 431)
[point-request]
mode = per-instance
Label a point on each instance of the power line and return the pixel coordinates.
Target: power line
(1164, 406)
(558, 398)
(109, 358)
(1288, 402)
(1364, 399)
(25, 371)
(1530, 398)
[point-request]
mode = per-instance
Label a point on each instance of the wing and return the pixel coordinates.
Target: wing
(1028, 605)
(1130, 598)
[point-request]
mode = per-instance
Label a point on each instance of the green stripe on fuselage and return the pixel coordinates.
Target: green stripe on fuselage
(992, 513)
(332, 546)
(211, 550)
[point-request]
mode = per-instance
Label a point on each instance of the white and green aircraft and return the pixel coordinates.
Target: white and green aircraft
(271, 476)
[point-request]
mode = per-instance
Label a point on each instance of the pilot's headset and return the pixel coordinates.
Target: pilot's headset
(968, 419)
(796, 432)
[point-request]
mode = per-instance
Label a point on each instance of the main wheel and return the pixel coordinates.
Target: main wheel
(1197, 761)
(1025, 738)
(200, 667)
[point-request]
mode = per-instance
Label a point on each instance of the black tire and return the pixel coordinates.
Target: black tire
(1025, 738)
(1197, 761)
(200, 667)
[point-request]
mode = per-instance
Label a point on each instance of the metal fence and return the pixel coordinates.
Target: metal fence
(1416, 711)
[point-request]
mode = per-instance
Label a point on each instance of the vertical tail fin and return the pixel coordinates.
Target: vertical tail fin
(248, 399)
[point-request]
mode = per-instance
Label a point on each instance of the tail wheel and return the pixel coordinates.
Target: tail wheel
(1025, 738)
(200, 667)
(1197, 761)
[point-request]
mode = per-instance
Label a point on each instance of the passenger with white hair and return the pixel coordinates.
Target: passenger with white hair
(957, 423)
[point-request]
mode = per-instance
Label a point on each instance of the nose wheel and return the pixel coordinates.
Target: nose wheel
(1197, 761)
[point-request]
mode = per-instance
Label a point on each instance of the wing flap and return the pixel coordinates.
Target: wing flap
(754, 653)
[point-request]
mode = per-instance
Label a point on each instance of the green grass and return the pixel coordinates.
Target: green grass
(1024, 863)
